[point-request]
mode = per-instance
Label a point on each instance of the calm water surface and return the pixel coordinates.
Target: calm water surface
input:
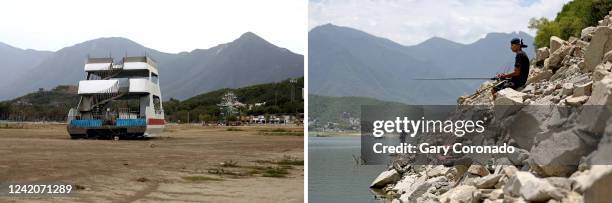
(333, 175)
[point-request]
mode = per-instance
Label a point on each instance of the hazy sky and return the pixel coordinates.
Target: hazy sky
(412, 21)
(169, 26)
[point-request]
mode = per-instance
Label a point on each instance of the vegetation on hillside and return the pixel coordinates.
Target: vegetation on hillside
(43, 105)
(575, 16)
(276, 96)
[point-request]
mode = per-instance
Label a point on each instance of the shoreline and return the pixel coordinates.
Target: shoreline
(333, 134)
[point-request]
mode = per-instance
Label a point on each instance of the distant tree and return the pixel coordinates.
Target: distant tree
(573, 17)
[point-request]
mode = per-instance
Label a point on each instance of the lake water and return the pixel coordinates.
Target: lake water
(333, 175)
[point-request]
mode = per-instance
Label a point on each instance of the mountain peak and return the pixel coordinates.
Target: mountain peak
(331, 27)
(438, 41)
(249, 36)
(249, 39)
(109, 40)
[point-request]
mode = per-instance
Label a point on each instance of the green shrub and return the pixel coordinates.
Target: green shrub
(276, 172)
(575, 16)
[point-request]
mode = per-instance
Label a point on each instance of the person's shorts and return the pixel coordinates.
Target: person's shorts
(504, 84)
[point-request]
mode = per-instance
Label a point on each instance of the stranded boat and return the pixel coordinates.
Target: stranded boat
(118, 100)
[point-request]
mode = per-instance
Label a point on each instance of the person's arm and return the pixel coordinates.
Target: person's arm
(517, 68)
(517, 72)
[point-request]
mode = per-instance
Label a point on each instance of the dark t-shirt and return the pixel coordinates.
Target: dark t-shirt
(522, 61)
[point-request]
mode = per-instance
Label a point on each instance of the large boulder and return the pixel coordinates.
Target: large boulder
(557, 57)
(386, 177)
(555, 43)
(487, 182)
(509, 96)
(598, 109)
(586, 35)
(601, 43)
(438, 170)
(583, 89)
(576, 100)
(460, 194)
(409, 183)
(562, 183)
(595, 184)
(568, 88)
(558, 155)
(508, 101)
(531, 188)
(531, 122)
(541, 54)
(545, 74)
(421, 191)
(601, 71)
(602, 91)
(607, 57)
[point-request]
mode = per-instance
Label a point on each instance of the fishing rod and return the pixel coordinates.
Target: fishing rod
(455, 78)
(496, 79)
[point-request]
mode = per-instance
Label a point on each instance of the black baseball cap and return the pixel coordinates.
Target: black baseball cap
(518, 41)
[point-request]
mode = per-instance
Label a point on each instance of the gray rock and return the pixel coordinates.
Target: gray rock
(555, 43)
(519, 156)
(386, 177)
(492, 194)
(438, 170)
(559, 154)
(549, 89)
(601, 71)
(568, 88)
(595, 184)
(561, 183)
(479, 170)
(557, 57)
(531, 188)
(409, 183)
(544, 75)
(541, 54)
(597, 110)
(528, 89)
(583, 89)
(487, 182)
(508, 101)
(460, 194)
(510, 171)
(528, 123)
(600, 43)
(546, 65)
(417, 187)
(602, 92)
(576, 100)
(607, 57)
(586, 33)
(573, 197)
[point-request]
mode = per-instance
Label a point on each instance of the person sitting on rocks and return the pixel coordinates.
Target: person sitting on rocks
(518, 78)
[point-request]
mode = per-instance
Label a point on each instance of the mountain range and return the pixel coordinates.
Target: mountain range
(245, 61)
(344, 61)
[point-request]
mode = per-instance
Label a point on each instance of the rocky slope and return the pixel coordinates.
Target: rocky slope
(560, 121)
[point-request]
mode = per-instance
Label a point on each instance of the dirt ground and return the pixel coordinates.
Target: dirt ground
(188, 164)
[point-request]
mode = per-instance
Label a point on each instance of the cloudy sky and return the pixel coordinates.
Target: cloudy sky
(412, 21)
(169, 26)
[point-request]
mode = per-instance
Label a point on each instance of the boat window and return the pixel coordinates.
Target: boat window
(157, 104)
(154, 78)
